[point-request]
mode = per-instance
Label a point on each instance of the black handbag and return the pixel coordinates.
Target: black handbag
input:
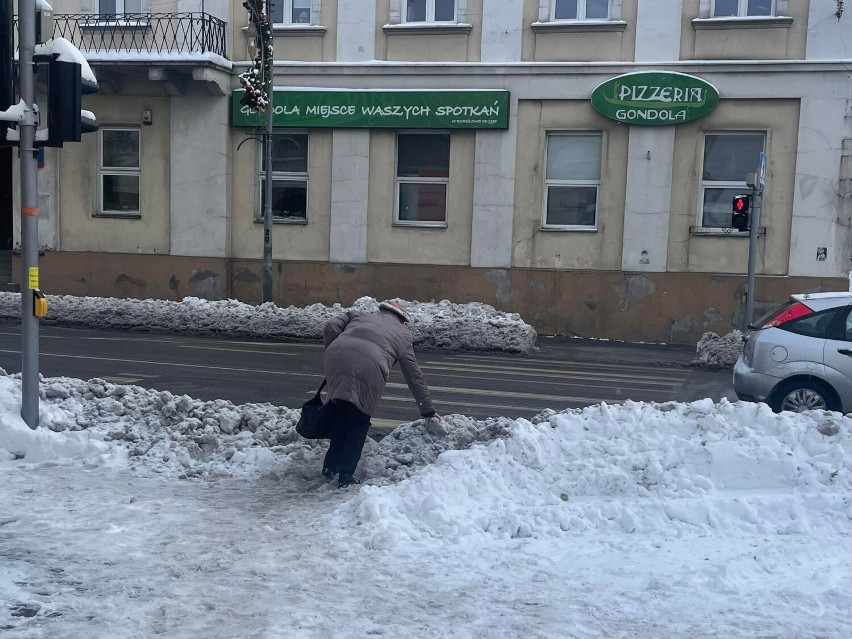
(313, 424)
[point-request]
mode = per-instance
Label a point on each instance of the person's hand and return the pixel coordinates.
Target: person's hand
(435, 425)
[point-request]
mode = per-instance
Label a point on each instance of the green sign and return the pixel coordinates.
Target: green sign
(380, 109)
(655, 98)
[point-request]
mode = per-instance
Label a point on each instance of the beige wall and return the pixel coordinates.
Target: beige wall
(534, 247)
(654, 307)
(780, 120)
(412, 245)
(744, 42)
(578, 44)
(435, 45)
(289, 241)
(79, 188)
(291, 43)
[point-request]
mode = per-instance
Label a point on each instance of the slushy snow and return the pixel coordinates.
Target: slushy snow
(135, 513)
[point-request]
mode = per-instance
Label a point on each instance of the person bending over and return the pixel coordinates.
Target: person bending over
(360, 350)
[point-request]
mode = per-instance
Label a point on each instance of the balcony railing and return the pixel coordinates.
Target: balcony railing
(152, 33)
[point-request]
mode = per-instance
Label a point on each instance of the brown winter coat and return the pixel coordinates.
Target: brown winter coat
(361, 348)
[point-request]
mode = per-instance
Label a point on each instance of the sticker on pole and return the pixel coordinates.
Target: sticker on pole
(33, 277)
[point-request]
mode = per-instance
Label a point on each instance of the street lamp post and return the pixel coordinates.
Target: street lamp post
(258, 86)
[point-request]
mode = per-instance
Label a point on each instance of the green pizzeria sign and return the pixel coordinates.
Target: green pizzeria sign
(655, 98)
(380, 109)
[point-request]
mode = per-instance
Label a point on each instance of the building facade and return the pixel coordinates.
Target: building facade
(451, 149)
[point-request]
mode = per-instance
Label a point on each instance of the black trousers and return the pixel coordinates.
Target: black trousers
(349, 428)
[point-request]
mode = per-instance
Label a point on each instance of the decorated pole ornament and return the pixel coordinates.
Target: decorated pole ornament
(257, 81)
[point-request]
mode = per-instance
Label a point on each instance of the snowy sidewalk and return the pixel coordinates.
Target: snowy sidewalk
(135, 513)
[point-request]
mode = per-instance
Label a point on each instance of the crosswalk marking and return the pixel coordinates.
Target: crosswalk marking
(517, 395)
(121, 379)
(551, 362)
(570, 373)
(531, 410)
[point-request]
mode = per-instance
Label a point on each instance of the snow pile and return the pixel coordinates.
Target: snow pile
(716, 351)
(18, 441)
(181, 437)
(174, 435)
(646, 469)
(410, 447)
(436, 325)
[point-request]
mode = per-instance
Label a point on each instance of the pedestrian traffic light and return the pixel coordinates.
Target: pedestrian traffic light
(740, 214)
(66, 121)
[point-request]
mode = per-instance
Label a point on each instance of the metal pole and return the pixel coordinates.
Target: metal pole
(266, 279)
(7, 98)
(29, 215)
(756, 198)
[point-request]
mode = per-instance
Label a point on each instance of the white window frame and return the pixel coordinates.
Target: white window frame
(581, 12)
(723, 184)
(547, 11)
(120, 8)
(430, 13)
(104, 171)
(742, 10)
(288, 15)
(289, 176)
(549, 182)
(398, 181)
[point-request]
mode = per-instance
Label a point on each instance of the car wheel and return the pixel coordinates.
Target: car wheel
(804, 394)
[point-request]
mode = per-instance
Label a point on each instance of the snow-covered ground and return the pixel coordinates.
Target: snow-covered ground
(133, 513)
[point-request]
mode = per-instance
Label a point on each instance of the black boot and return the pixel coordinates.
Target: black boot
(328, 472)
(346, 480)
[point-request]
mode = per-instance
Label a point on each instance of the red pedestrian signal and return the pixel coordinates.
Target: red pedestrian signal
(740, 214)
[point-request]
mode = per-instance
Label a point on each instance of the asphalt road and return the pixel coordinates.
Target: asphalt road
(564, 373)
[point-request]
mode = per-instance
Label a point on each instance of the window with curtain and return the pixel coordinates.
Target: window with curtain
(120, 171)
(289, 178)
(422, 178)
(729, 156)
(292, 12)
(572, 180)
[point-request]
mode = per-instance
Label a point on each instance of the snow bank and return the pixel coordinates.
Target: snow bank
(18, 441)
(156, 432)
(436, 325)
(719, 352)
(636, 468)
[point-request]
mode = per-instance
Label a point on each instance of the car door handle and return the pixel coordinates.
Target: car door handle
(845, 351)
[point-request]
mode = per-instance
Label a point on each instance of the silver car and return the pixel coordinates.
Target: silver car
(799, 356)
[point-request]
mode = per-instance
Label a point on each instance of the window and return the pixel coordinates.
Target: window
(725, 8)
(728, 158)
(291, 12)
(814, 325)
(572, 179)
(422, 178)
(289, 178)
(120, 171)
(118, 7)
(580, 10)
(848, 332)
(430, 11)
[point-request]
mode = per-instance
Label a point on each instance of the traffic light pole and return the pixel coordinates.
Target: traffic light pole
(29, 214)
(754, 227)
